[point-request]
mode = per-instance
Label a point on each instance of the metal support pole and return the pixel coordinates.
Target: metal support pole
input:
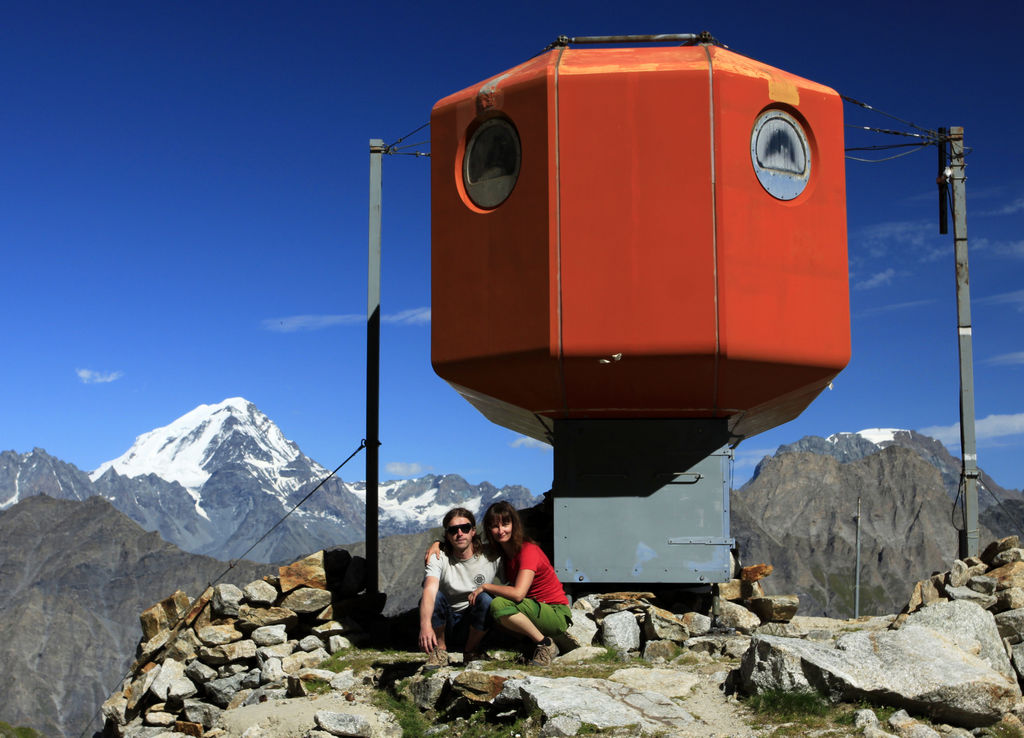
(373, 371)
(969, 473)
(856, 585)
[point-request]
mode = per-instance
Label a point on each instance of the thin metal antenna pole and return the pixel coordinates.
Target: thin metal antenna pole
(373, 371)
(969, 473)
(856, 585)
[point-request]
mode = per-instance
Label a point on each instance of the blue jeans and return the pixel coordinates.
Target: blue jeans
(456, 623)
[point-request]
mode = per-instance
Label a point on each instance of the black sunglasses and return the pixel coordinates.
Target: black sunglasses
(464, 528)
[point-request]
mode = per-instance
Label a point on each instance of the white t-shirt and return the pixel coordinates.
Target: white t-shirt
(459, 578)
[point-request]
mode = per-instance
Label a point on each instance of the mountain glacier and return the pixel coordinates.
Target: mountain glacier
(216, 479)
(210, 437)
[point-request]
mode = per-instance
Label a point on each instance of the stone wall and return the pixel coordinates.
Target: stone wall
(199, 657)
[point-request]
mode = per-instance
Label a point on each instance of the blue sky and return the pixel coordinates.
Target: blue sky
(184, 216)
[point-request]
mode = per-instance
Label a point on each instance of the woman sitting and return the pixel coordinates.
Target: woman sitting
(534, 605)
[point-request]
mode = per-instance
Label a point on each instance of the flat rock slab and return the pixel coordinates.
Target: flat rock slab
(915, 667)
(296, 717)
(599, 702)
(667, 682)
(802, 625)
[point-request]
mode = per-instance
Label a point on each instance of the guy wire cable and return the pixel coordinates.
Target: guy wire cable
(393, 148)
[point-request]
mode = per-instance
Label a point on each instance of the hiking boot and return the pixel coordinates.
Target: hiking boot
(436, 659)
(471, 656)
(543, 653)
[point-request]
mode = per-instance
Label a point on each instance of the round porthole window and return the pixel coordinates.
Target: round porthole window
(780, 154)
(491, 164)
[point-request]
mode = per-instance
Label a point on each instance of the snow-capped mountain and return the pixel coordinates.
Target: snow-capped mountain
(217, 478)
(198, 443)
(211, 438)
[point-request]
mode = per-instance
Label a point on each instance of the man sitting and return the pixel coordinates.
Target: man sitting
(446, 617)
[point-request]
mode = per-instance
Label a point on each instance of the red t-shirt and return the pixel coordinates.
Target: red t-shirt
(546, 587)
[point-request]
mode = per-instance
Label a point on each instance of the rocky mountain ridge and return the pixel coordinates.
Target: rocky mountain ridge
(799, 510)
(845, 447)
(73, 575)
(214, 480)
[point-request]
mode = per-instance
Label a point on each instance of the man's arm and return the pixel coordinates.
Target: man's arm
(433, 550)
(428, 640)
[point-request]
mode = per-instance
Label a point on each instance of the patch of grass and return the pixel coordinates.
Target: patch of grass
(359, 659)
(476, 725)
(847, 713)
(801, 712)
(1002, 730)
(599, 667)
(10, 731)
(583, 671)
(414, 723)
(318, 686)
(686, 658)
(609, 656)
(780, 704)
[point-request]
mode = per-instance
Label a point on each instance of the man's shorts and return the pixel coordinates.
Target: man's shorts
(457, 622)
(549, 619)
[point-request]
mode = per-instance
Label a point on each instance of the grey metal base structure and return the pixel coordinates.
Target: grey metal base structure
(641, 502)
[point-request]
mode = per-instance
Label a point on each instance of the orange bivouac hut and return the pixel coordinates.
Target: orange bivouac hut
(606, 244)
(653, 235)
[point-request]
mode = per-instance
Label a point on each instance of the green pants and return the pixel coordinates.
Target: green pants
(549, 619)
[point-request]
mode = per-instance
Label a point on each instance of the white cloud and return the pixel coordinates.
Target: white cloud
(750, 457)
(1015, 299)
(416, 316)
(989, 427)
(876, 280)
(999, 248)
(895, 306)
(898, 241)
(879, 237)
(294, 323)
(937, 253)
(527, 442)
(1009, 209)
(88, 376)
(405, 468)
(1017, 357)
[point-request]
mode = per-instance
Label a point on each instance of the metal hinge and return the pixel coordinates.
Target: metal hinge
(704, 541)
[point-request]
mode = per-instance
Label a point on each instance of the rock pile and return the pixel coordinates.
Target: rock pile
(955, 653)
(227, 663)
(232, 646)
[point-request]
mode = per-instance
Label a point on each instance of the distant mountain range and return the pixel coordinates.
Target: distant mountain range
(214, 480)
(75, 572)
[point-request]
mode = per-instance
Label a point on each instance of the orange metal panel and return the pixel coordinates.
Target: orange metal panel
(783, 284)
(637, 257)
(490, 293)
